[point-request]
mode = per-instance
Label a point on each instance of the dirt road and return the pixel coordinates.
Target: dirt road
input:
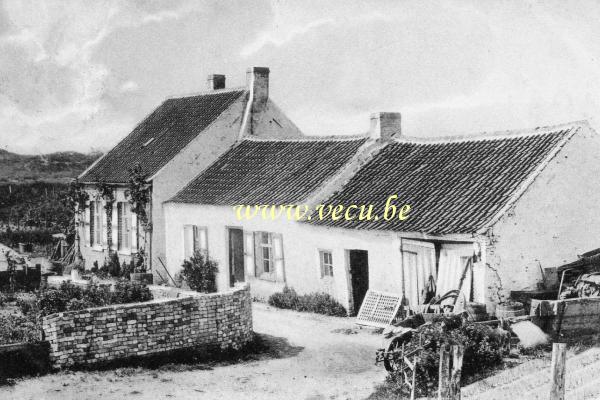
(317, 358)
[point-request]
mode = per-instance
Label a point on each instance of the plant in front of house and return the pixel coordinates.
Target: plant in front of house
(483, 351)
(69, 297)
(320, 303)
(200, 273)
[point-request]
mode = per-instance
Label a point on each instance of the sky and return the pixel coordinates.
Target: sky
(79, 75)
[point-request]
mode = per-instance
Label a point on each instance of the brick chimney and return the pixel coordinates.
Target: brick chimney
(215, 81)
(258, 82)
(385, 125)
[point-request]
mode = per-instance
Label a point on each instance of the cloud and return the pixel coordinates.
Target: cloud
(50, 80)
(278, 35)
(291, 22)
(129, 86)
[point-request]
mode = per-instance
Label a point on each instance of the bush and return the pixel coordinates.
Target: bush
(130, 292)
(320, 303)
(200, 273)
(483, 348)
(18, 329)
(113, 265)
(69, 297)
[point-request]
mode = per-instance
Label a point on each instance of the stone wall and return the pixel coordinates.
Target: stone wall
(102, 334)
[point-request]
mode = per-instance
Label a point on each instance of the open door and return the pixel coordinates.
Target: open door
(418, 271)
(236, 256)
(359, 276)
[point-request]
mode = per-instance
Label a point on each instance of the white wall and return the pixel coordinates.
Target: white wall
(301, 243)
(201, 153)
(556, 219)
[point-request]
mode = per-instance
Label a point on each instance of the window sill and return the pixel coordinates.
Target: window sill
(99, 249)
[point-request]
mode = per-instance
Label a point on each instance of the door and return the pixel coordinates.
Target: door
(359, 276)
(418, 271)
(236, 256)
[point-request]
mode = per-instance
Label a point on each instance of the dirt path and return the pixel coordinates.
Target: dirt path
(317, 358)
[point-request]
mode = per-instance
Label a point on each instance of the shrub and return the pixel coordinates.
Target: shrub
(483, 349)
(200, 273)
(18, 329)
(114, 266)
(130, 292)
(287, 299)
(69, 297)
(320, 303)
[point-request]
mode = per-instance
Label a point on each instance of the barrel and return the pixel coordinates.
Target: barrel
(509, 310)
(476, 311)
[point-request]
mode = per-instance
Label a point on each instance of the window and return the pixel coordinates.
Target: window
(95, 223)
(326, 260)
(267, 255)
(123, 226)
(195, 239)
(266, 251)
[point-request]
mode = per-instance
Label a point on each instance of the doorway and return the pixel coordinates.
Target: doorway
(359, 276)
(236, 256)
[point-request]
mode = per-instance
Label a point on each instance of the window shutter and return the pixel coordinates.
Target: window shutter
(203, 240)
(258, 257)
(322, 263)
(114, 226)
(134, 238)
(126, 225)
(278, 257)
(249, 253)
(105, 223)
(88, 222)
(188, 241)
(120, 226)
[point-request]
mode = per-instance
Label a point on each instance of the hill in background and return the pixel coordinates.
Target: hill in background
(55, 167)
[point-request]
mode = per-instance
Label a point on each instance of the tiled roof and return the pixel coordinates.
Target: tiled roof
(157, 139)
(452, 187)
(269, 172)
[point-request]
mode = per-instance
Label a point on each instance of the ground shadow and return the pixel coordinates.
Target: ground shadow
(262, 347)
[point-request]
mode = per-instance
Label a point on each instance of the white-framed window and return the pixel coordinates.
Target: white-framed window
(265, 255)
(96, 210)
(123, 226)
(326, 263)
(195, 239)
(265, 252)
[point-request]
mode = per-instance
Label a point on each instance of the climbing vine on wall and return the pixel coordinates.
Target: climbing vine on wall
(76, 199)
(139, 196)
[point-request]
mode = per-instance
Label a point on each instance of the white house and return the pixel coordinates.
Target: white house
(493, 209)
(172, 145)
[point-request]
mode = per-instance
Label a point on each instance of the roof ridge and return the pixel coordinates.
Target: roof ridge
(206, 93)
(314, 138)
(494, 135)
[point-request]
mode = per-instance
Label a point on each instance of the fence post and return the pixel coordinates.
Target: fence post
(451, 360)
(457, 362)
(444, 375)
(559, 357)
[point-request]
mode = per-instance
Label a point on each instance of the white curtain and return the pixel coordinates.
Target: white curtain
(452, 264)
(418, 262)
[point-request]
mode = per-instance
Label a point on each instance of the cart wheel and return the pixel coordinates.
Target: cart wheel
(389, 362)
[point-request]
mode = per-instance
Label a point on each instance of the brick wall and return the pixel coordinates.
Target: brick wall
(101, 334)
